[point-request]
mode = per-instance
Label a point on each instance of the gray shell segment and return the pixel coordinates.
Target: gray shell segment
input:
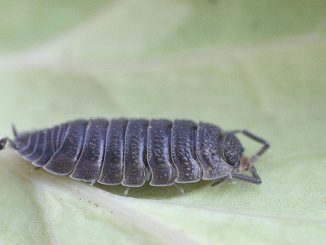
(54, 135)
(159, 152)
(112, 167)
(208, 140)
(88, 167)
(134, 173)
(22, 142)
(47, 150)
(38, 148)
(30, 147)
(61, 135)
(65, 158)
(183, 151)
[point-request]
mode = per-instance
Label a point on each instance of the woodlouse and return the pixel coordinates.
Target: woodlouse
(129, 152)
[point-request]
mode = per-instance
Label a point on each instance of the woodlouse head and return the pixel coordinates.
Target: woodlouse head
(231, 150)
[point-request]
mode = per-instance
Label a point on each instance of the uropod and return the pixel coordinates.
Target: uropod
(132, 151)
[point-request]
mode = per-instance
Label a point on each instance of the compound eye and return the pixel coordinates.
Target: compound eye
(232, 149)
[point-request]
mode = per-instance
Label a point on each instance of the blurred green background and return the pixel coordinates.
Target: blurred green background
(250, 64)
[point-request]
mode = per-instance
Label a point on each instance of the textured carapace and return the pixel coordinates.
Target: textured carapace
(130, 152)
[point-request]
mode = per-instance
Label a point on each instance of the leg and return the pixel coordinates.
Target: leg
(126, 191)
(219, 181)
(179, 189)
(147, 174)
(256, 138)
(254, 179)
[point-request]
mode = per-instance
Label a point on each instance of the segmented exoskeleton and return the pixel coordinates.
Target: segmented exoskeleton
(129, 152)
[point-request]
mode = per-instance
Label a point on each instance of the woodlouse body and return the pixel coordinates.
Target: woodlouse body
(129, 152)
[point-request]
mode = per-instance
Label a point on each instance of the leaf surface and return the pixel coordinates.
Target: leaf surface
(241, 64)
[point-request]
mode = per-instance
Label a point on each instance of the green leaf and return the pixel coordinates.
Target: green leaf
(239, 64)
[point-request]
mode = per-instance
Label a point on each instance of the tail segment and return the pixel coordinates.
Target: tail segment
(3, 143)
(14, 130)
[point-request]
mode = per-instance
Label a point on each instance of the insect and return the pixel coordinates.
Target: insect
(131, 152)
